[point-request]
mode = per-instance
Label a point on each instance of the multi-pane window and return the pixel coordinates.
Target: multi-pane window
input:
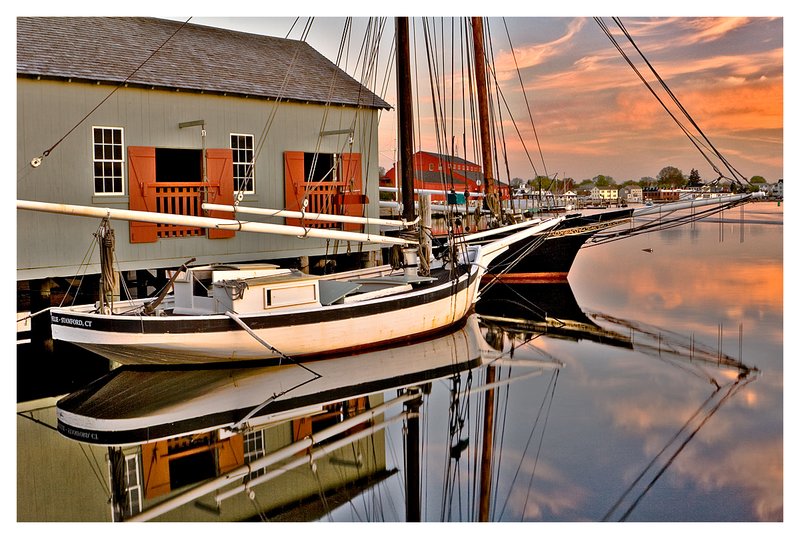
(107, 147)
(133, 486)
(254, 449)
(242, 149)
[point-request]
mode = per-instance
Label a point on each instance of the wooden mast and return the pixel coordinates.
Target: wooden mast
(494, 206)
(489, 188)
(405, 118)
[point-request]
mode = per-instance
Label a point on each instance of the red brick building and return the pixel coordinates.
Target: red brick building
(441, 172)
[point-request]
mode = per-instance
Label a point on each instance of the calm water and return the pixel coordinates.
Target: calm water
(626, 433)
(616, 397)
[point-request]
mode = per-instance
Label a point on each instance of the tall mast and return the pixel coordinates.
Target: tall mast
(494, 206)
(485, 492)
(483, 114)
(405, 119)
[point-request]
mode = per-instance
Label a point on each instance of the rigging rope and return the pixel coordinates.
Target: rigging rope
(527, 104)
(658, 224)
(47, 152)
(666, 88)
(733, 388)
(683, 128)
(547, 400)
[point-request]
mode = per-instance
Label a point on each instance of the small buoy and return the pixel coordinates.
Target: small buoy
(648, 250)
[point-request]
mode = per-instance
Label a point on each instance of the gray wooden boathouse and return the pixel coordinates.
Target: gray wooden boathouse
(156, 115)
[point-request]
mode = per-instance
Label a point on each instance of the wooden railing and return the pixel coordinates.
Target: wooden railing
(321, 200)
(179, 198)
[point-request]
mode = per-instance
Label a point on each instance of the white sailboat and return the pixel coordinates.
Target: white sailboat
(243, 313)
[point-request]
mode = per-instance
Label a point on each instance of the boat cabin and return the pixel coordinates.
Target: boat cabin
(258, 288)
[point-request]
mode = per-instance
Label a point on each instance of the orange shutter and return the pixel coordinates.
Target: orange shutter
(231, 453)
(220, 187)
(142, 191)
(155, 467)
(302, 428)
(294, 180)
(353, 197)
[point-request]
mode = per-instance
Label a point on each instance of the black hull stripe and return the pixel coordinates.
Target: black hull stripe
(228, 417)
(193, 324)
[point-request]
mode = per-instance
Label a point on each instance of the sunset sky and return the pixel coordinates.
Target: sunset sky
(591, 112)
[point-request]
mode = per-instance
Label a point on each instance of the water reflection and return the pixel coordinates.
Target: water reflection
(542, 408)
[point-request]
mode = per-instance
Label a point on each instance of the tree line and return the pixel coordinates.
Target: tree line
(668, 178)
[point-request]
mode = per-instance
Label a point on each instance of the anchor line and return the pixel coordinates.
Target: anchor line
(37, 421)
(271, 399)
(92, 464)
(268, 346)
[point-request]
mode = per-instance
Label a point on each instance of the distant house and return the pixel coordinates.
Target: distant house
(777, 189)
(605, 194)
(632, 194)
(163, 116)
(656, 194)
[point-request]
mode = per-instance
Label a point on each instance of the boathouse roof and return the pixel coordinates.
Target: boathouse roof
(158, 53)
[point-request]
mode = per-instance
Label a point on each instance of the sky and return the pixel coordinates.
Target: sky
(565, 86)
(571, 106)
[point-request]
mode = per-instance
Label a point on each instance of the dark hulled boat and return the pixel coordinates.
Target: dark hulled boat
(548, 257)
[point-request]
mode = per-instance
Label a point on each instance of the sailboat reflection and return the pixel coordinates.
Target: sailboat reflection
(528, 311)
(194, 432)
(295, 442)
(556, 314)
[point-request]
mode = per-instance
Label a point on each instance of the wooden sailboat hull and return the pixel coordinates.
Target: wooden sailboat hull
(335, 329)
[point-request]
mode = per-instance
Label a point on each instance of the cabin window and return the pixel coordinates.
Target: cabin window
(108, 156)
(243, 163)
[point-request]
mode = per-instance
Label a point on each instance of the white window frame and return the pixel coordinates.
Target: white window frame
(252, 176)
(103, 161)
(255, 447)
(134, 491)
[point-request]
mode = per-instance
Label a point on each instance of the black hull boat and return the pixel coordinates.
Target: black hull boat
(548, 257)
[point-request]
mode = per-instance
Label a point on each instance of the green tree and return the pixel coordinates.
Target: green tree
(758, 179)
(647, 181)
(540, 183)
(670, 177)
(602, 180)
(694, 179)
